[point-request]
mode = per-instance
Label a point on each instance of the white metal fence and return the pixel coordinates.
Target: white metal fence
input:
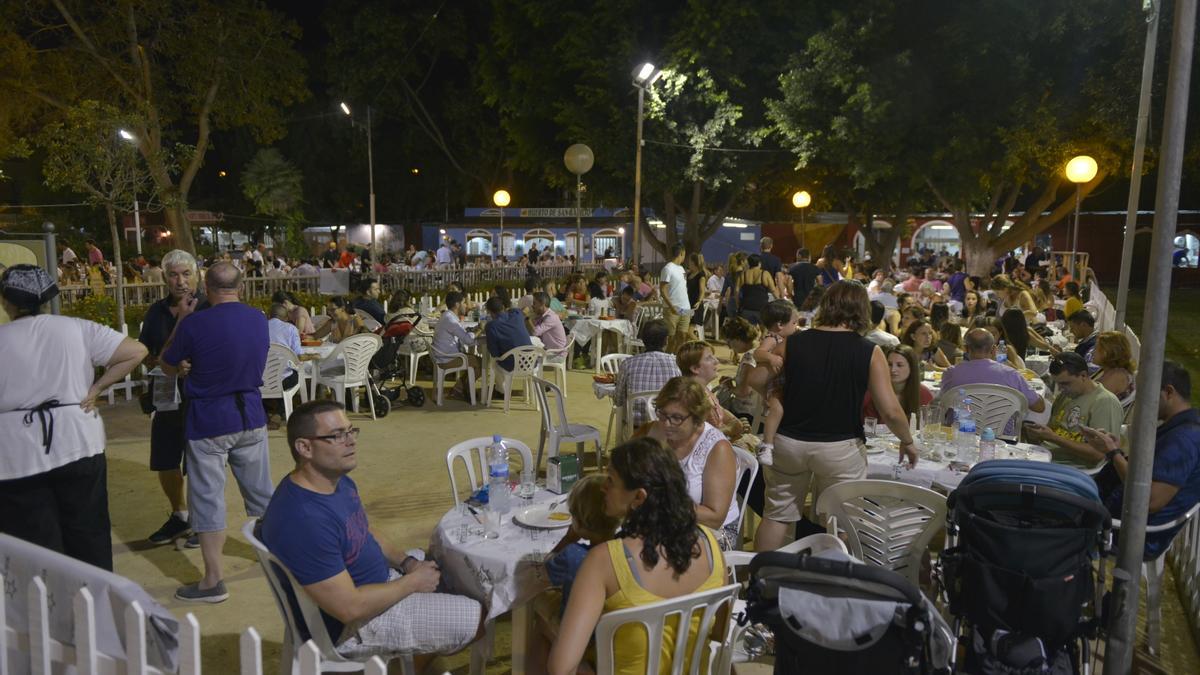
(1184, 559)
(39, 652)
(417, 281)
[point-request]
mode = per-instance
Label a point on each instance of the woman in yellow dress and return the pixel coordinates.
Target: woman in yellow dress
(660, 553)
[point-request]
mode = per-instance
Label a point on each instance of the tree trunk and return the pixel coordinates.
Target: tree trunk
(979, 256)
(180, 228)
(881, 243)
(119, 278)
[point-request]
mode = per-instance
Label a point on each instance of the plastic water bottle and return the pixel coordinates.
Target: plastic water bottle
(499, 492)
(966, 440)
(1001, 352)
(987, 445)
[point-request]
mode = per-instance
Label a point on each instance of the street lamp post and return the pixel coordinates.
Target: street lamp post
(1080, 170)
(137, 220)
(579, 160)
(643, 79)
(370, 177)
(501, 199)
(801, 200)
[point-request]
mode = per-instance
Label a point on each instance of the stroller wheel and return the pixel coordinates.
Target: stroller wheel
(383, 406)
(416, 397)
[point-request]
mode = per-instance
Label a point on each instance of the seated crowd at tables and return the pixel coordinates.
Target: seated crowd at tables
(813, 362)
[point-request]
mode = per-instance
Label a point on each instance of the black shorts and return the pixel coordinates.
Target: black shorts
(167, 440)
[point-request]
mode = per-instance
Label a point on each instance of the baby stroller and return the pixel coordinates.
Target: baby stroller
(833, 614)
(386, 365)
(1018, 570)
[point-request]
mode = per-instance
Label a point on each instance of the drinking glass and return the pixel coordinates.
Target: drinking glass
(466, 523)
(491, 524)
(528, 483)
(869, 425)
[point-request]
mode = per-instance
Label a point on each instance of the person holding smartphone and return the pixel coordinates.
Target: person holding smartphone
(1175, 484)
(1080, 403)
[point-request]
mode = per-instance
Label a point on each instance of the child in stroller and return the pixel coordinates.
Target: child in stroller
(398, 343)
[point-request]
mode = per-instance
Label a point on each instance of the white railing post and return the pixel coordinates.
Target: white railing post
(135, 640)
(189, 646)
(250, 650)
(86, 656)
(39, 628)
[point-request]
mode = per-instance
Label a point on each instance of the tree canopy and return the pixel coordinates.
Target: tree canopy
(182, 68)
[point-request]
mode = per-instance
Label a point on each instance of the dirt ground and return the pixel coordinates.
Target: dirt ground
(402, 478)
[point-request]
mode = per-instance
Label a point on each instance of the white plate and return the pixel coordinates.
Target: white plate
(876, 448)
(539, 517)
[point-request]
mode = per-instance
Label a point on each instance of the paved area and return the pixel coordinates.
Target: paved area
(402, 478)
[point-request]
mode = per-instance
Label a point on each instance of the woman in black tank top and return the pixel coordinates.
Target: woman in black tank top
(754, 288)
(827, 372)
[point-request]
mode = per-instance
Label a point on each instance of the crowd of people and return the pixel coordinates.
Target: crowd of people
(819, 347)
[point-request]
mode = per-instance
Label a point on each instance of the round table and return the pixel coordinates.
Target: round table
(504, 574)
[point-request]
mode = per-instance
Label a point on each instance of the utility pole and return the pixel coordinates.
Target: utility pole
(1118, 654)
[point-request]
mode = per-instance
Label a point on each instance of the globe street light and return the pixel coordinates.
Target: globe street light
(801, 200)
(501, 199)
(643, 78)
(370, 176)
(1079, 170)
(579, 160)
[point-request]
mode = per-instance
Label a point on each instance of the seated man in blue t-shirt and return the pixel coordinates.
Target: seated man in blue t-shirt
(375, 599)
(505, 330)
(1175, 485)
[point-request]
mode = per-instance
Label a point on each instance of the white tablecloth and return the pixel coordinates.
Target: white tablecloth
(500, 573)
(585, 328)
(321, 351)
(1038, 363)
(928, 473)
(603, 391)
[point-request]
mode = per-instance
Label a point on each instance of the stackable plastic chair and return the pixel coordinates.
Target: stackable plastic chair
(556, 430)
(369, 321)
(527, 365)
(611, 363)
(746, 463)
(473, 454)
(993, 405)
(558, 360)
(705, 606)
(453, 363)
(279, 359)
(887, 523)
(355, 352)
(645, 399)
(302, 621)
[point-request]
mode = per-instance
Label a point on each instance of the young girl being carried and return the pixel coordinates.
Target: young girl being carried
(781, 320)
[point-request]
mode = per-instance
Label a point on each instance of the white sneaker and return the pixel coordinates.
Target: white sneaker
(765, 457)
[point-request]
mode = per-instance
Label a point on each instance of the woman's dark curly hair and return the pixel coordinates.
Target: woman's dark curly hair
(666, 521)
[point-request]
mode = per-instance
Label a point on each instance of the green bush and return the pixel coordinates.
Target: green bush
(103, 310)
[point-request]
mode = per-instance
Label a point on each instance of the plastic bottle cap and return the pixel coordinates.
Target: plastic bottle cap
(495, 438)
(988, 434)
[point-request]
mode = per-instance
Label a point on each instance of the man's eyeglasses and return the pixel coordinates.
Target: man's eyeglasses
(340, 437)
(673, 420)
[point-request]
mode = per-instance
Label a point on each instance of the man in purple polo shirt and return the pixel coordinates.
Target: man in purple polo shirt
(223, 351)
(982, 368)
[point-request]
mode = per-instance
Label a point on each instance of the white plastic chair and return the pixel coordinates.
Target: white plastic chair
(558, 360)
(1153, 571)
(302, 616)
(319, 320)
(453, 363)
(473, 453)
(355, 352)
(994, 405)
(887, 523)
(556, 430)
(705, 606)
(527, 365)
(812, 544)
(645, 312)
(746, 463)
(644, 400)
(611, 363)
(279, 359)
